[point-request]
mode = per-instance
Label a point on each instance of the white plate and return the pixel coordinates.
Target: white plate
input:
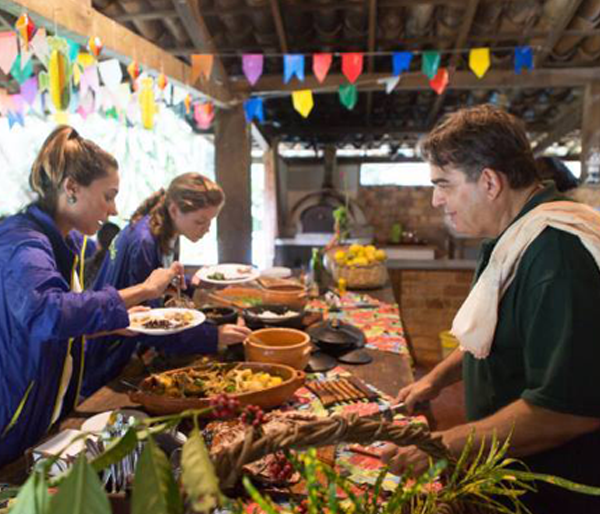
(198, 318)
(97, 423)
(234, 273)
(276, 272)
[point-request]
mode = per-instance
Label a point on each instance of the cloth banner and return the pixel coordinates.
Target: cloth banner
(431, 63)
(252, 64)
(293, 64)
(348, 96)
(254, 108)
(401, 62)
(321, 65)
(202, 65)
(523, 58)
(479, 61)
(352, 65)
(303, 101)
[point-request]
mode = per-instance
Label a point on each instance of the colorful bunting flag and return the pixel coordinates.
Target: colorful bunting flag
(25, 28)
(29, 90)
(95, 46)
(348, 96)
(17, 103)
(352, 65)
(293, 64)
(162, 81)
(321, 65)
(440, 81)
(89, 80)
(59, 74)
(14, 118)
(252, 64)
(431, 63)
(401, 62)
(20, 73)
(39, 44)
(390, 83)
(204, 114)
(110, 73)
(86, 105)
(253, 108)
(9, 50)
(479, 61)
(523, 58)
(133, 69)
(303, 101)
(147, 103)
(202, 65)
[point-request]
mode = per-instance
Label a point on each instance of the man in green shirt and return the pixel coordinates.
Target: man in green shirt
(540, 383)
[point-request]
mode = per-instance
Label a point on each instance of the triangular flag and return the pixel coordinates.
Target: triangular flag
(204, 114)
(73, 50)
(431, 63)
(147, 103)
(523, 58)
(202, 65)
(479, 61)
(303, 101)
(321, 65)
(122, 96)
(9, 49)
(390, 83)
(17, 104)
(14, 118)
(39, 44)
(86, 105)
(86, 60)
(352, 65)
(21, 74)
(26, 54)
(252, 64)
(110, 72)
(293, 64)
(440, 81)
(29, 90)
(253, 107)
(348, 96)
(401, 62)
(89, 80)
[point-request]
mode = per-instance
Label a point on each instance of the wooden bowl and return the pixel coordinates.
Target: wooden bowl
(291, 295)
(279, 346)
(265, 398)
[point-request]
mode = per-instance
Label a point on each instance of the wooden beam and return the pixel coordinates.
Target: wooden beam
(415, 81)
(560, 24)
(198, 31)
(460, 42)
(371, 48)
(78, 21)
(568, 122)
(147, 16)
(279, 25)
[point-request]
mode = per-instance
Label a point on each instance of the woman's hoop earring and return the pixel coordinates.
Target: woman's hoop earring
(71, 199)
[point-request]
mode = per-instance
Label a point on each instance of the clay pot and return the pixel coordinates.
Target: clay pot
(279, 346)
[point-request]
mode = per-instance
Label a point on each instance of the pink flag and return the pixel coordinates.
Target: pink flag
(204, 114)
(352, 65)
(9, 50)
(252, 64)
(29, 90)
(321, 65)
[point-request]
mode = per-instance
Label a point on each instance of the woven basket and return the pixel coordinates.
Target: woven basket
(361, 277)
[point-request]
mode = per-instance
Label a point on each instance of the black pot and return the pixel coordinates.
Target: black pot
(254, 321)
(334, 336)
(218, 315)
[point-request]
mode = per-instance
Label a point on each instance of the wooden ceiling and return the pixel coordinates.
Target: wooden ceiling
(565, 34)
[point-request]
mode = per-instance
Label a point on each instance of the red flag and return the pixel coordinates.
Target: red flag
(321, 65)
(440, 81)
(352, 65)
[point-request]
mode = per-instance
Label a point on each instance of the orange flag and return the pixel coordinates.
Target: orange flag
(202, 65)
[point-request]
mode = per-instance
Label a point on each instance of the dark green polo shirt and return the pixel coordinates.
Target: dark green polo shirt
(546, 347)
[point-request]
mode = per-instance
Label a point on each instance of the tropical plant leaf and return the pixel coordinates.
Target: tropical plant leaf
(262, 502)
(198, 474)
(117, 451)
(33, 498)
(559, 482)
(154, 488)
(81, 492)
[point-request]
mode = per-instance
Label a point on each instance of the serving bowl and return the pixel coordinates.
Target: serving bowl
(220, 315)
(266, 398)
(259, 317)
(285, 346)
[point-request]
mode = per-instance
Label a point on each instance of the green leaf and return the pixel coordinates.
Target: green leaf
(559, 482)
(154, 488)
(80, 492)
(117, 451)
(261, 501)
(198, 474)
(33, 498)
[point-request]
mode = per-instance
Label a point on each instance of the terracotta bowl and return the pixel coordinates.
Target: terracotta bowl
(279, 346)
(291, 295)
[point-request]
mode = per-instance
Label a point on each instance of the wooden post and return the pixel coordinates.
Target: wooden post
(271, 217)
(232, 170)
(590, 134)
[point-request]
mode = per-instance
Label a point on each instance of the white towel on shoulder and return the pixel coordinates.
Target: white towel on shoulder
(475, 322)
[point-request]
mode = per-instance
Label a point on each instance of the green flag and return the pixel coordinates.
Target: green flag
(348, 96)
(431, 63)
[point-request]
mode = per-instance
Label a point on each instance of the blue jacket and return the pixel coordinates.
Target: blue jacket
(131, 258)
(41, 320)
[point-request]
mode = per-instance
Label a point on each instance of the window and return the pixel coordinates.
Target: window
(395, 174)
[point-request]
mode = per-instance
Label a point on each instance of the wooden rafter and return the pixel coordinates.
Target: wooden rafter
(414, 81)
(279, 25)
(5, 24)
(77, 21)
(198, 31)
(158, 14)
(568, 122)
(461, 40)
(558, 31)
(371, 48)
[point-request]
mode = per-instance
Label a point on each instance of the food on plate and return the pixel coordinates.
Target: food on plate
(168, 321)
(205, 382)
(267, 314)
(217, 276)
(182, 302)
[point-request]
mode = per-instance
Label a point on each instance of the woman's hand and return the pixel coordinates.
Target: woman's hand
(160, 279)
(231, 334)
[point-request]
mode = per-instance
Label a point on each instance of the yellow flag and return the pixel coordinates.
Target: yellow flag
(479, 61)
(59, 80)
(303, 101)
(147, 103)
(85, 59)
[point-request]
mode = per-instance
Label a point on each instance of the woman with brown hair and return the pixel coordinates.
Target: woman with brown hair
(44, 316)
(186, 208)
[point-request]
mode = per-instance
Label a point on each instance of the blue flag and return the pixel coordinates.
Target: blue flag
(253, 107)
(523, 58)
(293, 64)
(401, 62)
(14, 118)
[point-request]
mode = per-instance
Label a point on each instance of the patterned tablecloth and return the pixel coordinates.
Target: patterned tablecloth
(380, 321)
